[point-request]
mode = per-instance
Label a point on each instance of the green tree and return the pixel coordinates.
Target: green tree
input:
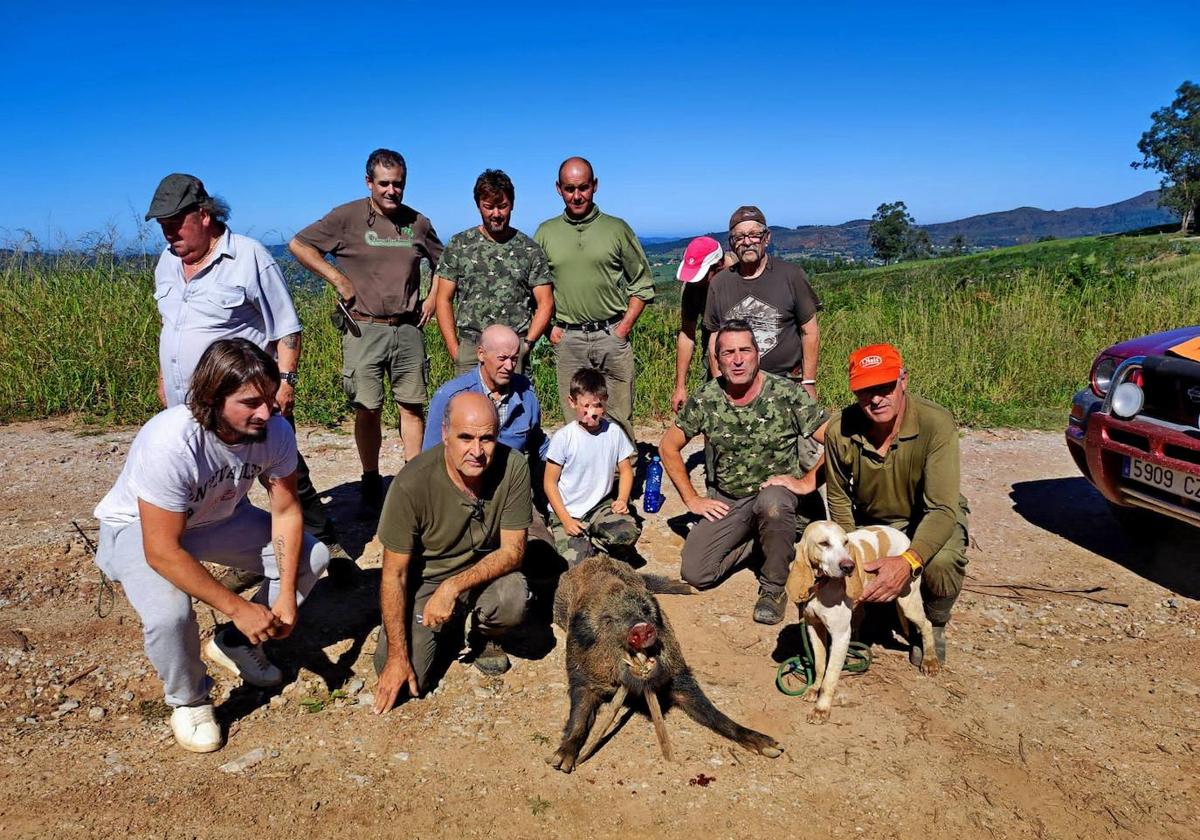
(1172, 147)
(889, 232)
(957, 246)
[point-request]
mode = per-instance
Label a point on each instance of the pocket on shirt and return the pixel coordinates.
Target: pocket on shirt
(220, 304)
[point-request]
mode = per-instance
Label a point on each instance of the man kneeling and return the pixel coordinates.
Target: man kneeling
(181, 500)
(763, 493)
(453, 532)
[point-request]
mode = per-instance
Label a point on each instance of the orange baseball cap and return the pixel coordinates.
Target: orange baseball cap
(875, 364)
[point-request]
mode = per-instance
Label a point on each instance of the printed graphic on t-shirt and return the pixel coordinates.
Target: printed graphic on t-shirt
(765, 320)
(403, 241)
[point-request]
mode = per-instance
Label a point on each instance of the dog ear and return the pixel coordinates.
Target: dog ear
(800, 582)
(856, 579)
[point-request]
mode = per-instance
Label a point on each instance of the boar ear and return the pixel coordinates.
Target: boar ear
(581, 631)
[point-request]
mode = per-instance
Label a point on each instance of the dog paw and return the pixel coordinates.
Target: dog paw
(930, 667)
(811, 695)
(818, 715)
(563, 760)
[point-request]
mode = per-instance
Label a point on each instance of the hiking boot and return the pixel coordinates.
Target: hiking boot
(916, 653)
(492, 661)
(238, 580)
(769, 608)
(372, 491)
(245, 660)
(342, 568)
(196, 729)
(939, 642)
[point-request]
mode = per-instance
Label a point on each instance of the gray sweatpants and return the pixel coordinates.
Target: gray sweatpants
(172, 634)
(609, 354)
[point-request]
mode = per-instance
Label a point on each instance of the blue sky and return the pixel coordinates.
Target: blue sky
(815, 112)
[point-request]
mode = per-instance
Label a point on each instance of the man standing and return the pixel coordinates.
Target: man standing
(517, 407)
(453, 533)
(765, 481)
(180, 501)
(602, 282)
(211, 284)
(892, 459)
(498, 275)
(378, 243)
(773, 296)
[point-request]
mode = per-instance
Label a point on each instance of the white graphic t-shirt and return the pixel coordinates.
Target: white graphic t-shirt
(176, 465)
(588, 463)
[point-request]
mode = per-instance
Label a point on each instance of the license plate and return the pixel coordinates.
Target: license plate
(1164, 478)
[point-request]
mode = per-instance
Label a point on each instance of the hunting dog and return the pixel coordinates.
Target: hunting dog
(827, 579)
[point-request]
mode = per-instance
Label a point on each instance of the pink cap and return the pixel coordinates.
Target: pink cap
(701, 254)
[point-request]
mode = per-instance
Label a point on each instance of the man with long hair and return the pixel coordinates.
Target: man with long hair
(180, 501)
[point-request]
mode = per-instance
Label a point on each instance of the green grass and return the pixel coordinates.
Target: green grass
(1001, 338)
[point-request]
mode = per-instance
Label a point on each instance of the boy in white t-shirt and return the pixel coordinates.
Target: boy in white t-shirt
(181, 500)
(580, 463)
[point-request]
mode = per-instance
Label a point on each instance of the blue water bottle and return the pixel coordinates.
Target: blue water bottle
(652, 498)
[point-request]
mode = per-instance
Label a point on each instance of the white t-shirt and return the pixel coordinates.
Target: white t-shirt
(176, 465)
(588, 463)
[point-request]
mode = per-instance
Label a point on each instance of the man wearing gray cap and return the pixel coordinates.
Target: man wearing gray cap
(773, 296)
(210, 284)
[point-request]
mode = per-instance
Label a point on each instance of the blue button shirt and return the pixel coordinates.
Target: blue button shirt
(520, 413)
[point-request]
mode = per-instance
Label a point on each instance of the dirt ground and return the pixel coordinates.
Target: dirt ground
(1068, 707)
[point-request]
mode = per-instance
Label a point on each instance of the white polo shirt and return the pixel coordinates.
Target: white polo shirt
(176, 465)
(241, 293)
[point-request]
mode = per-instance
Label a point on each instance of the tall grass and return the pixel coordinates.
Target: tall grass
(1001, 339)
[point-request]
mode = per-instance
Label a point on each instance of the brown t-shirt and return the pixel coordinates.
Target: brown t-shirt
(776, 303)
(426, 516)
(380, 254)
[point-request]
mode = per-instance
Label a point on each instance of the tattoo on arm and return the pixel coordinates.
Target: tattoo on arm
(279, 547)
(291, 341)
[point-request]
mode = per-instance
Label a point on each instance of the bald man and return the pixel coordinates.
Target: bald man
(602, 282)
(498, 354)
(453, 533)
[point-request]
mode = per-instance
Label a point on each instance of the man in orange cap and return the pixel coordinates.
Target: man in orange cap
(892, 459)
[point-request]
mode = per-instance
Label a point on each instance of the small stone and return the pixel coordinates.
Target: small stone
(278, 701)
(355, 686)
(400, 756)
(366, 699)
(1075, 663)
(128, 696)
(68, 706)
(245, 762)
(96, 714)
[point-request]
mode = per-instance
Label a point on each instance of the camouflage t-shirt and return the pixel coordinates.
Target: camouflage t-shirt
(753, 442)
(494, 280)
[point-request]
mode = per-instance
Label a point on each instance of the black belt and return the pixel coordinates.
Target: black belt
(591, 326)
(389, 320)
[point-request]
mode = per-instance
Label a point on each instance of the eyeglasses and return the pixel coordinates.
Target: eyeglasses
(748, 237)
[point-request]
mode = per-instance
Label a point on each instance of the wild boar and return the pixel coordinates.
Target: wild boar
(619, 644)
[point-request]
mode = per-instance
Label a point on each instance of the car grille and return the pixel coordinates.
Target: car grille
(1172, 389)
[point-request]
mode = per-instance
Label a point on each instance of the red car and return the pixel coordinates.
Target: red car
(1135, 430)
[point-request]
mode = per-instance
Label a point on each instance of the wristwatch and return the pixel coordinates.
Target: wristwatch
(289, 376)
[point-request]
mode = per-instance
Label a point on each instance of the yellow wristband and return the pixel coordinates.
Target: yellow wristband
(913, 560)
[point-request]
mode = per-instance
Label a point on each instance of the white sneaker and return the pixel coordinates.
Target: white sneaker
(196, 728)
(247, 661)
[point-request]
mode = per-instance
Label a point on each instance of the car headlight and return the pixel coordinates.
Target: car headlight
(1127, 400)
(1102, 375)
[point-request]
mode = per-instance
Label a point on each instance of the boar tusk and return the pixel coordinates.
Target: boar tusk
(660, 726)
(617, 702)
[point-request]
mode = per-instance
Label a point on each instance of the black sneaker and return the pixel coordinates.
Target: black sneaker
(769, 608)
(372, 491)
(492, 661)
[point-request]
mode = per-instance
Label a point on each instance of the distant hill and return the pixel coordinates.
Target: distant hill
(990, 230)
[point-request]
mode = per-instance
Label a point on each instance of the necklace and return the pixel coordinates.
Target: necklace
(191, 270)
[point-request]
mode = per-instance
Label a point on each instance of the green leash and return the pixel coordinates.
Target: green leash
(858, 660)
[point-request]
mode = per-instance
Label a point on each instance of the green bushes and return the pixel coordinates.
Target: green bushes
(1002, 338)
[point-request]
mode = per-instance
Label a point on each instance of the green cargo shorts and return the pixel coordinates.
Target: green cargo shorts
(395, 353)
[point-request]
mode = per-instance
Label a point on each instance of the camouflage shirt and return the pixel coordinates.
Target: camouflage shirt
(494, 280)
(753, 442)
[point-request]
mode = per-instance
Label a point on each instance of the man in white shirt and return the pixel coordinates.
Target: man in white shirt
(180, 501)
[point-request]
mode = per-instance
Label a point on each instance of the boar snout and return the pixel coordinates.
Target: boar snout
(642, 636)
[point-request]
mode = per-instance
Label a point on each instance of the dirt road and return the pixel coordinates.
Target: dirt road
(1061, 714)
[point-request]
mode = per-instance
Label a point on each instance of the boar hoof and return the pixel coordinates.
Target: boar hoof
(764, 745)
(562, 760)
(772, 752)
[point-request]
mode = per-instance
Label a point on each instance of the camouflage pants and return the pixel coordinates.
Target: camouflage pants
(606, 532)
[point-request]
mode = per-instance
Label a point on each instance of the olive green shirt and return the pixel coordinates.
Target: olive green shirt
(429, 518)
(914, 487)
(598, 265)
